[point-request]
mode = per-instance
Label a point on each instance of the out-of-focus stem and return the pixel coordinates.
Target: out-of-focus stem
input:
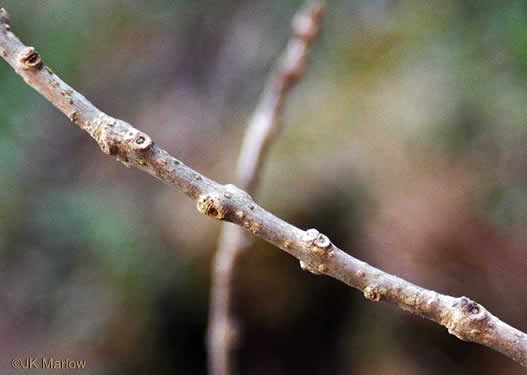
(263, 128)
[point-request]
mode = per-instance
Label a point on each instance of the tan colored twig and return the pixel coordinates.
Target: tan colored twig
(463, 317)
(263, 128)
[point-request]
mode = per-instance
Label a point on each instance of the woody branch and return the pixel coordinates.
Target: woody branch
(263, 128)
(463, 317)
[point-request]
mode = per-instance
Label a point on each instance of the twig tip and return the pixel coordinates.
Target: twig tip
(4, 16)
(307, 23)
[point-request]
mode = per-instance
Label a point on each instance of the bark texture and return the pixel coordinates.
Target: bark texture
(463, 317)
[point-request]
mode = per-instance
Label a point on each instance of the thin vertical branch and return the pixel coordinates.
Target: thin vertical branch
(263, 129)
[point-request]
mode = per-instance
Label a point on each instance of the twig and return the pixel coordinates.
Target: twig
(263, 128)
(463, 317)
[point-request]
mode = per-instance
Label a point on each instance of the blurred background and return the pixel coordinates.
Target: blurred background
(405, 143)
